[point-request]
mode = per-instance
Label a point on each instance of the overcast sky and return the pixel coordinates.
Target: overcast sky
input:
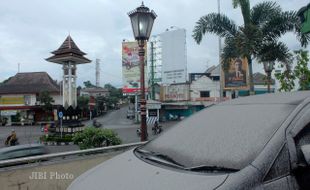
(31, 29)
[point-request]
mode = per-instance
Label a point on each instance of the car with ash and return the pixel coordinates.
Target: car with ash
(259, 142)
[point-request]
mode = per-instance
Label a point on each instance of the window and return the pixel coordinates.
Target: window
(27, 99)
(302, 173)
(204, 94)
(281, 166)
(302, 138)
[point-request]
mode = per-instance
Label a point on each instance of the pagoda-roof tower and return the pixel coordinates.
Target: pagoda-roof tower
(68, 51)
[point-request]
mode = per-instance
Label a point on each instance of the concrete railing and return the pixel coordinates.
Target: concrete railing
(55, 174)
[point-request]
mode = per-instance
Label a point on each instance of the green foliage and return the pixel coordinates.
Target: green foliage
(301, 70)
(286, 79)
(115, 95)
(301, 73)
(56, 138)
(46, 100)
(95, 137)
(88, 84)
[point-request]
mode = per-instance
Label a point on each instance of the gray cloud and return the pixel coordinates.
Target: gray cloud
(30, 30)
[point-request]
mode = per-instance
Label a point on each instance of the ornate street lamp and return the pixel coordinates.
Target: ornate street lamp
(268, 67)
(142, 20)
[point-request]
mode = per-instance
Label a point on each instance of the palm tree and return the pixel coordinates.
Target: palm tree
(258, 38)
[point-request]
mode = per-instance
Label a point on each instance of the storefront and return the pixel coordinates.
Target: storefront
(153, 111)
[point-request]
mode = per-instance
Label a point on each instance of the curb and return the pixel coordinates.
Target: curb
(53, 143)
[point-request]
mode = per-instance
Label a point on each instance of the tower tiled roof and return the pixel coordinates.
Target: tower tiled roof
(32, 82)
(68, 51)
(68, 46)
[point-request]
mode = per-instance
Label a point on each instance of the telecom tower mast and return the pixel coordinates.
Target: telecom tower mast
(97, 72)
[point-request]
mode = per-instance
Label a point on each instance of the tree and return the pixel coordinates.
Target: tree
(92, 137)
(46, 100)
(115, 95)
(88, 84)
(301, 73)
(258, 38)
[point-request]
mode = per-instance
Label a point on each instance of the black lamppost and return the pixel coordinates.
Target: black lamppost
(268, 67)
(142, 20)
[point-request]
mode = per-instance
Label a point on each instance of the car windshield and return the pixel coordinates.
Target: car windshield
(224, 136)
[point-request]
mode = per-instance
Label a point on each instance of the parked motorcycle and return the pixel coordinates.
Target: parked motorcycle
(157, 130)
(96, 123)
(173, 117)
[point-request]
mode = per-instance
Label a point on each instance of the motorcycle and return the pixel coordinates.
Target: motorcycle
(157, 130)
(97, 124)
(12, 142)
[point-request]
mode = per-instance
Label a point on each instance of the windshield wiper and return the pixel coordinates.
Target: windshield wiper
(165, 159)
(159, 158)
(206, 168)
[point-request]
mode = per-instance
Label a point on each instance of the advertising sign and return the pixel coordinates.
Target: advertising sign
(174, 56)
(8, 112)
(236, 77)
(175, 92)
(130, 67)
(12, 100)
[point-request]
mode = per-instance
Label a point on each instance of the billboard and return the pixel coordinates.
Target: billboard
(236, 77)
(175, 92)
(130, 67)
(12, 100)
(173, 56)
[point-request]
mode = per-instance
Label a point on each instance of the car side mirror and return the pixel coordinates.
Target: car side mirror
(306, 152)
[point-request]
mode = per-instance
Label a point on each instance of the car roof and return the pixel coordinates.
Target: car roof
(293, 98)
(18, 147)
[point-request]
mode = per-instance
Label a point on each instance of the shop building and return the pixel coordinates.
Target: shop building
(19, 102)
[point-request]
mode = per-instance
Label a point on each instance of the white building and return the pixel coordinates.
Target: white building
(94, 91)
(205, 86)
(168, 57)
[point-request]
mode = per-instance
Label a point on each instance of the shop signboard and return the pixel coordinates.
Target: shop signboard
(8, 112)
(12, 100)
(175, 92)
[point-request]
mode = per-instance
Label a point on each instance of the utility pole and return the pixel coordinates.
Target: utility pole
(97, 72)
(152, 72)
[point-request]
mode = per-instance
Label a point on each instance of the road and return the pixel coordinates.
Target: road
(116, 120)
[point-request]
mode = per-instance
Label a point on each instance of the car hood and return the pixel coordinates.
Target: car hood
(127, 172)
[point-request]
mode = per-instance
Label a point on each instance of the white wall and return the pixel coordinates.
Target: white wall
(174, 59)
(57, 99)
(204, 84)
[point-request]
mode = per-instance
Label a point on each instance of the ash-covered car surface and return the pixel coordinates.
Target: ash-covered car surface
(255, 142)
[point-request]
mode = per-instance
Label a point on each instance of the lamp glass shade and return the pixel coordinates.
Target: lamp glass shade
(142, 20)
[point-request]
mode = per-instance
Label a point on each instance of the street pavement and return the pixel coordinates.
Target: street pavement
(115, 120)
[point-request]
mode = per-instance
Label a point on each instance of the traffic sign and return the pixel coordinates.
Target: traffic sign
(60, 114)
